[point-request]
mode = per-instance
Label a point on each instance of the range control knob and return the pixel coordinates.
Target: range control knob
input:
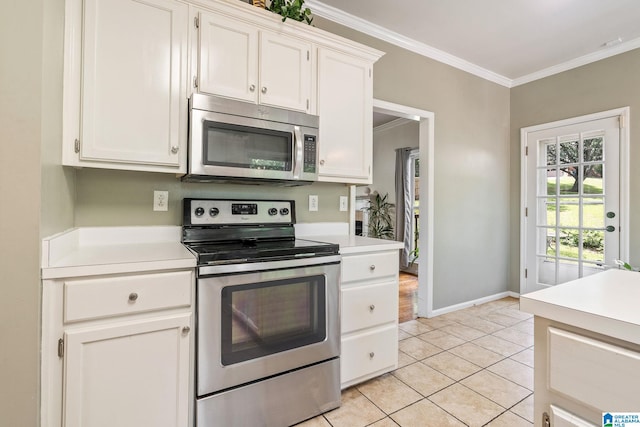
(273, 211)
(284, 211)
(199, 211)
(214, 211)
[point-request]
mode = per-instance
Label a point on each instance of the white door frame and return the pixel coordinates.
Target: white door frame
(623, 113)
(427, 144)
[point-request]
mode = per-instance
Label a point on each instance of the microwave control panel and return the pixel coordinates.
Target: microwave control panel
(310, 154)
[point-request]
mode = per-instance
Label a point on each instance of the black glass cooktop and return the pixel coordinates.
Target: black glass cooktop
(254, 251)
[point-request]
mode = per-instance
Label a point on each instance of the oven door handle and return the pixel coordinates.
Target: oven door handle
(298, 152)
(267, 265)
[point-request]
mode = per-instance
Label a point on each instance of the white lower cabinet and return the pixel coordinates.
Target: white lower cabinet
(579, 375)
(126, 363)
(369, 316)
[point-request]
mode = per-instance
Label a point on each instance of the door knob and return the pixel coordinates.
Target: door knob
(133, 296)
(611, 214)
(610, 228)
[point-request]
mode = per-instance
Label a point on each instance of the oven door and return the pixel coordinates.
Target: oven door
(281, 316)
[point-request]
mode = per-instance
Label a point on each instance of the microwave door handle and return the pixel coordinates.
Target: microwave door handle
(298, 150)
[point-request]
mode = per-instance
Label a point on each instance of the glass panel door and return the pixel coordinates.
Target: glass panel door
(573, 183)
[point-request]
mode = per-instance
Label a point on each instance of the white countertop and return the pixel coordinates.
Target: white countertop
(607, 303)
(357, 244)
(112, 250)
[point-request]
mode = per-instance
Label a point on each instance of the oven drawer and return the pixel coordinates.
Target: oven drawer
(112, 296)
(366, 306)
(369, 266)
(367, 354)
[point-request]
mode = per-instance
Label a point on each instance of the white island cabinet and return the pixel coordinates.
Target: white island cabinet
(116, 329)
(587, 349)
(369, 310)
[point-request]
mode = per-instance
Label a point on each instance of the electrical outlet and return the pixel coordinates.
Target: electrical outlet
(160, 200)
(313, 203)
(344, 203)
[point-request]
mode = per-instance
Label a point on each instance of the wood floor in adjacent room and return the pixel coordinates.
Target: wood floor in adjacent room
(408, 297)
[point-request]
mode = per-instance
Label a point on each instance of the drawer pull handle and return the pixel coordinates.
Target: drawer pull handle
(133, 297)
(372, 307)
(371, 355)
(372, 267)
(186, 330)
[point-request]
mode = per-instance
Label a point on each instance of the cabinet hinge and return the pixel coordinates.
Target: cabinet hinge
(308, 55)
(526, 273)
(526, 150)
(526, 211)
(76, 145)
(307, 104)
(196, 22)
(195, 82)
(370, 71)
(546, 421)
(60, 347)
(621, 121)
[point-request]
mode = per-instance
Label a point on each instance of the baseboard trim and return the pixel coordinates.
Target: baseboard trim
(471, 303)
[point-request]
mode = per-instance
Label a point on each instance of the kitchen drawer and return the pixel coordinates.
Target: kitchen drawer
(369, 266)
(592, 372)
(367, 306)
(368, 353)
(112, 296)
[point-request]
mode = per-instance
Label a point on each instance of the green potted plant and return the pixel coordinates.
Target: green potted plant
(291, 9)
(380, 217)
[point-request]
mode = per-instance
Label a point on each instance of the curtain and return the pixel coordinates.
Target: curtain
(404, 202)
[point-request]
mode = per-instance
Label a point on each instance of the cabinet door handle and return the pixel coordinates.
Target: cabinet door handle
(252, 88)
(186, 330)
(264, 89)
(133, 297)
(174, 150)
(372, 267)
(372, 307)
(321, 162)
(371, 355)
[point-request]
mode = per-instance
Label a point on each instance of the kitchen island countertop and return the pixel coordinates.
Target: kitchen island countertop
(607, 303)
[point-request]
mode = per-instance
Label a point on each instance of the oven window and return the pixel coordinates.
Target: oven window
(259, 319)
(247, 147)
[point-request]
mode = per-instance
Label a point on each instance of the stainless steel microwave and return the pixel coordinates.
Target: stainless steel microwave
(238, 141)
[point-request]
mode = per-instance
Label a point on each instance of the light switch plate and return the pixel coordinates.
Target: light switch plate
(313, 203)
(344, 203)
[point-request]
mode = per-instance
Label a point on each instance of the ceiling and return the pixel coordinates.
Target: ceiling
(510, 42)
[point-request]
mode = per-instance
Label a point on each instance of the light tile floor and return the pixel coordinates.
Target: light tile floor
(472, 367)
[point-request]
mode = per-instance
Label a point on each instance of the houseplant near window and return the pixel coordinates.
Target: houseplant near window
(380, 217)
(291, 9)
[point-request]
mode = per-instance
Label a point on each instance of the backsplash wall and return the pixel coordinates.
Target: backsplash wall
(121, 198)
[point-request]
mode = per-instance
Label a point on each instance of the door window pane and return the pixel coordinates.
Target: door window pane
(593, 245)
(568, 243)
(546, 270)
(593, 212)
(569, 213)
(569, 152)
(548, 179)
(592, 149)
(551, 152)
(592, 179)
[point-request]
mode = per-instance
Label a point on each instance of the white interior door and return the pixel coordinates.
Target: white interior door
(572, 202)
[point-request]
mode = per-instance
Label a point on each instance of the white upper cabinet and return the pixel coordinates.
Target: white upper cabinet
(239, 60)
(345, 107)
(125, 84)
(228, 63)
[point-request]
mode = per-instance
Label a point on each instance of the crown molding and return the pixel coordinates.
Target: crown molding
(336, 15)
(578, 62)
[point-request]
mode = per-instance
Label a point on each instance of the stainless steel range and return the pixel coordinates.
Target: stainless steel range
(268, 322)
